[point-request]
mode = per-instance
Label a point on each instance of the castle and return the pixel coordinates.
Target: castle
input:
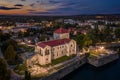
(62, 45)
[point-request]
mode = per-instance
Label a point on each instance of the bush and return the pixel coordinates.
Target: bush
(20, 69)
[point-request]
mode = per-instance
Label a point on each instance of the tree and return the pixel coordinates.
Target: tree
(43, 37)
(107, 34)
(83, 41)
(4, 37)
(93, 36)
(10, 53)
(13, 43)
(27, 75)
(117, 33)
(7, 43)
(87, 41)
(2, 68)
(4, 73)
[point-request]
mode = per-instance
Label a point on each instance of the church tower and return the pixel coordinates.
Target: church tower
(61, 33)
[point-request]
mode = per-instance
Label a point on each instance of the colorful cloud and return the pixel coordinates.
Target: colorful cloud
(59, 7)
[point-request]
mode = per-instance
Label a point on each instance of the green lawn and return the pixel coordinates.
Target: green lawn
(62, 59)
(20, 69)
(59, 60)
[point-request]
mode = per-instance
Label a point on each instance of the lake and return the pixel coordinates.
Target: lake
(109, 71)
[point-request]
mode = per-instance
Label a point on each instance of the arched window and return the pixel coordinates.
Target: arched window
(41, 52)
(46, 52)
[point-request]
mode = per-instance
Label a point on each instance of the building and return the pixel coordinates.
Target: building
(23, 24)
(18, 29)
(69, 21)
(49, 50)
(61, 33)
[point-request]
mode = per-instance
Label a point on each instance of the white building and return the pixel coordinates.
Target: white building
(69, 21)
(61, 34)
(50, 50)
(23, 24)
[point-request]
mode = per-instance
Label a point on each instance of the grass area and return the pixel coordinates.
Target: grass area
(62, 59)
(96, 53)
(20, 69)
(58, 60)
(54, 62)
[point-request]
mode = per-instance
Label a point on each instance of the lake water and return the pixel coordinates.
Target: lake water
(110, 71)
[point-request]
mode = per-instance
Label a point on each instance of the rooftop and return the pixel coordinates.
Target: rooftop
(54, 43)
(61, 31)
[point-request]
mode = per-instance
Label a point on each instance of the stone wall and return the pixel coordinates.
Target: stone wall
(97, 62)
(66, 70)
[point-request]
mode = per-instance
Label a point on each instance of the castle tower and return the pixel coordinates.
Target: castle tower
(61, 33)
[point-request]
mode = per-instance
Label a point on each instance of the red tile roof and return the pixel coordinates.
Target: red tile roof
(54, 43)
(61, 31)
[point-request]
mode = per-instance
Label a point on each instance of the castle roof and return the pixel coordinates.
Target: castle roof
(53, 43)
(61, 31)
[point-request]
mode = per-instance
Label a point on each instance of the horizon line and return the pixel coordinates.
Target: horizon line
(60, 15)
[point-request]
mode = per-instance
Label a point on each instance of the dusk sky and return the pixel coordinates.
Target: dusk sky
(59, 7)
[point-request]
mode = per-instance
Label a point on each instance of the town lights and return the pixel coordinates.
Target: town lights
(29, 41)
(101, 47)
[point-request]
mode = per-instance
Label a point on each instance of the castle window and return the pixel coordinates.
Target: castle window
(46, 52)
(40, 53)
